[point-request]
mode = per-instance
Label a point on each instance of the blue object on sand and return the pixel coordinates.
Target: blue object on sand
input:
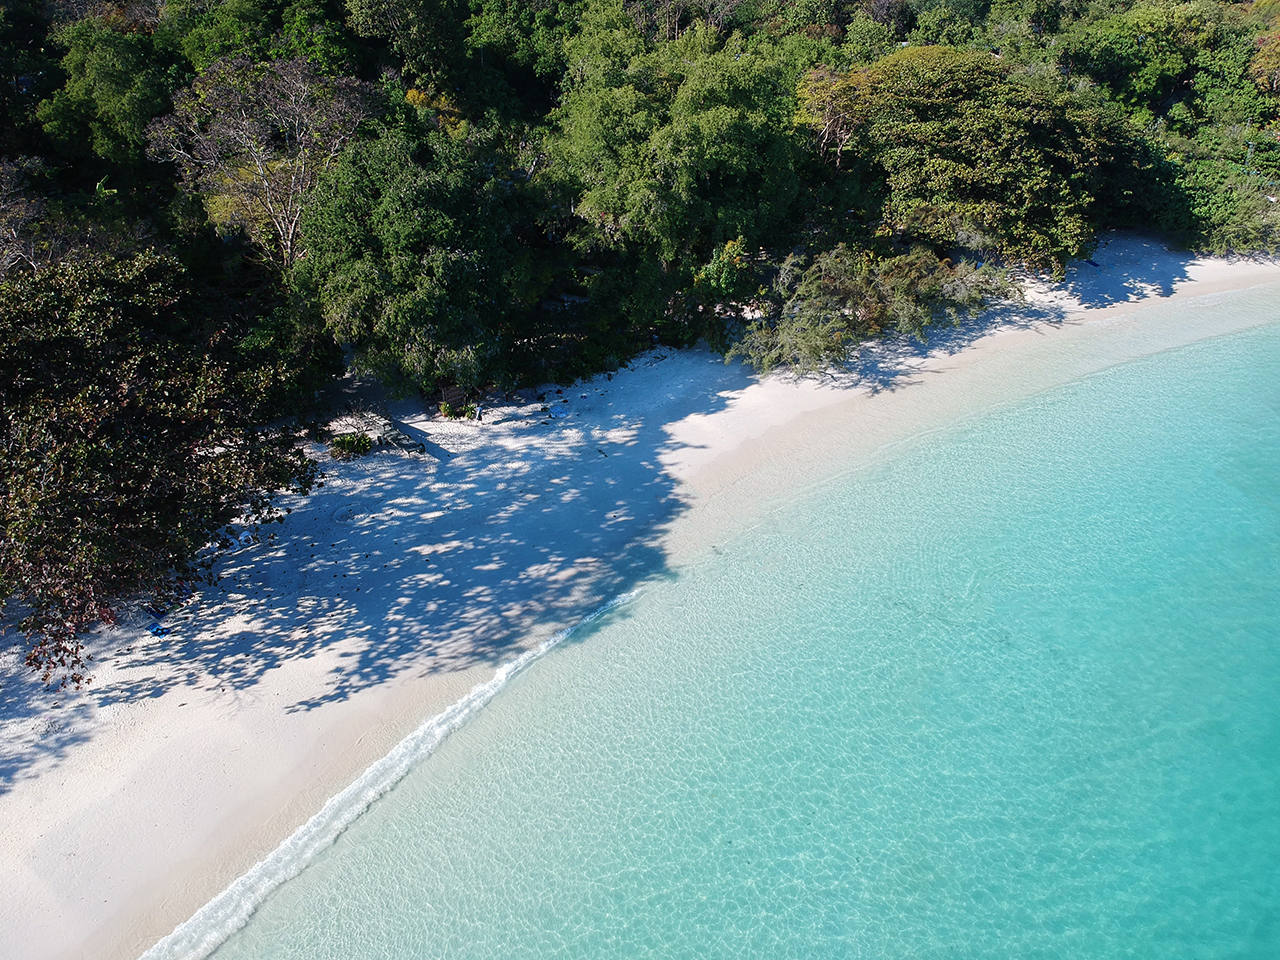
(156, 630)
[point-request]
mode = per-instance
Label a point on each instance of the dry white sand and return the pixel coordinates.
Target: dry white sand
(408, 579)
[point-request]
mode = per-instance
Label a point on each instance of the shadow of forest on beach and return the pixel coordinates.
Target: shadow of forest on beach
(439, 563)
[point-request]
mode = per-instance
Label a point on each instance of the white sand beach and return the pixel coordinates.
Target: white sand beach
(408, 579)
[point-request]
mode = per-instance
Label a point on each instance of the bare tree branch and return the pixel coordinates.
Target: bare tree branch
(253, 139)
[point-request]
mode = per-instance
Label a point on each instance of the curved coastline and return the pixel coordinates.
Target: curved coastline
(1006, 685)
(198, 779)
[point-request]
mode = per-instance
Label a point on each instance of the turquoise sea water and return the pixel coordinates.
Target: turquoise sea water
(1012, 691)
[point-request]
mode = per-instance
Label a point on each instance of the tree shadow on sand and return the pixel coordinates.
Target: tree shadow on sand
(425, 564)
(403, 563)
(1137, 268)
(39, 726)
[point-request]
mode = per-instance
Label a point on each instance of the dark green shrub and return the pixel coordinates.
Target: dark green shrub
(127, 445)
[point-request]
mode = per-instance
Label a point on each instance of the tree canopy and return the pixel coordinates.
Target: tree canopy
(970, 153)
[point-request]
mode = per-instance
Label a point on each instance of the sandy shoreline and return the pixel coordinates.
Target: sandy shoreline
(408, 579)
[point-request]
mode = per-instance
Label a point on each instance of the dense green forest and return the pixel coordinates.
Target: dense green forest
(209, 207)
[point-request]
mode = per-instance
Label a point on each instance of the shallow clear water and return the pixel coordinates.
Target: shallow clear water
(1010, 692)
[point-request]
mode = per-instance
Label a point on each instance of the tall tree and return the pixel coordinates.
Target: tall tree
(678, 147)
(423, 256)
(971, 153)
(530, 32)
(254, 138)
(116, 84)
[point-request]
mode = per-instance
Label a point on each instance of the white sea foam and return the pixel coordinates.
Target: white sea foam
(230, 910)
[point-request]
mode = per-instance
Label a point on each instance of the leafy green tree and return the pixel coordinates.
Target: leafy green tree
(206, 33)
(116, 84)
(1222, 204)
(428, 36)
(125, 441)
(971, 154)
(313, 30)
(941, 26)
(260, 30)
(678, 148)
(1223, 91)
(531, 33)
(417, 259)
(728, 277)
(867, 40)
(1155, 56)
(1040, 16)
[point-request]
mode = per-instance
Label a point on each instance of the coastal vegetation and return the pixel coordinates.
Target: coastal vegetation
(208, 208)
